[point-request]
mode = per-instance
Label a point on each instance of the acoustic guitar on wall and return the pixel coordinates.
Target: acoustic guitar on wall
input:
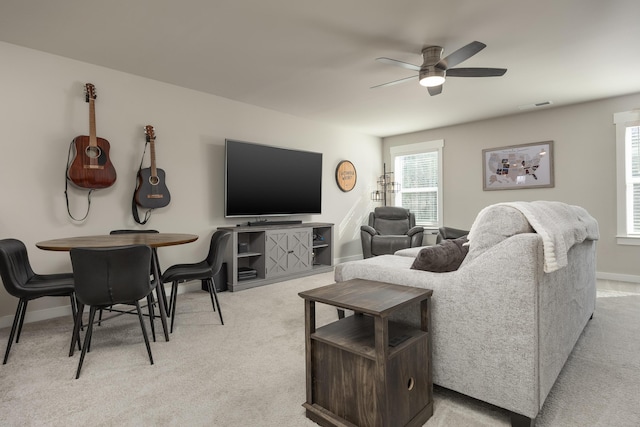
(91, 167)
(152, 191)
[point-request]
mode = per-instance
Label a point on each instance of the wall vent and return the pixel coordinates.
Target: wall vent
(535, 105)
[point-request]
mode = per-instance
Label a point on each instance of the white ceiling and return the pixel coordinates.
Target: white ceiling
(316, 59)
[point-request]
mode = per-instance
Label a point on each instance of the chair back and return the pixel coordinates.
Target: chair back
(126, 231)
(216, 250)
(15, 268)
(129, 231)
(391, 220)
(108, 276)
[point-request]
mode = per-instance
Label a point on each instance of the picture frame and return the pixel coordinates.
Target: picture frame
(516, 167)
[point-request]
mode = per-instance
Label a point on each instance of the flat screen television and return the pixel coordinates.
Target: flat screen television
(262, 180)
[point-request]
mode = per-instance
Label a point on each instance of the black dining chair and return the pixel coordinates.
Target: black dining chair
(155, 267)
(204, 270)
(20, 281)
(105, 277)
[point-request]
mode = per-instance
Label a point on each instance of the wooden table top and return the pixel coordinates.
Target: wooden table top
(367, 296)
(155, 240)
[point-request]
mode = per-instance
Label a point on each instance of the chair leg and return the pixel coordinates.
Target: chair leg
(87, 339)
(172, 304)
(214, 295)
(74, 313)
(22, 314)
(150, 303)
(16, 320)
(144, 332)
(76, 329)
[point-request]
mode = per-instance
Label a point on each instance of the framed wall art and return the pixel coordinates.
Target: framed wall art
(518, 166)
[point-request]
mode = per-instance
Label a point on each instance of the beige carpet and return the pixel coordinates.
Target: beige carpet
(250, 372)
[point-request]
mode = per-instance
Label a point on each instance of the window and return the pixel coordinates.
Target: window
(418, 169)
(628, 176)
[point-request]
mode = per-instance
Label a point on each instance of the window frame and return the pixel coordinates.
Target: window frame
(418, 148)
(622, 121)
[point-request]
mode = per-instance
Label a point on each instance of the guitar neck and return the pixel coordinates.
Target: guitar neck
(152, 149)
(93, 140)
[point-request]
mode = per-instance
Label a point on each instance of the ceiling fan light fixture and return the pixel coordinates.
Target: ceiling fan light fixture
(431, 76)
(432, 81)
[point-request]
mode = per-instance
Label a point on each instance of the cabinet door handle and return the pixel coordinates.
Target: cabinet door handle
(290, 252)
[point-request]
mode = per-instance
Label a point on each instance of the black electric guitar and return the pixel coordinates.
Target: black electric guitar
(152, 192)
(91, 166)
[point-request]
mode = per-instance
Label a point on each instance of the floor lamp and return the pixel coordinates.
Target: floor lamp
(385, 185)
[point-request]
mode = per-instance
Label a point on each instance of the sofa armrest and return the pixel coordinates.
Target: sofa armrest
(366, 237)
(415, 230)
(417, 235)
(368, 229)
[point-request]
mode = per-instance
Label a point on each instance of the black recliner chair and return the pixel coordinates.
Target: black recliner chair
(390, 229)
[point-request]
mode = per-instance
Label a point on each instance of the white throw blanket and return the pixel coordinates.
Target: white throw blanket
(560, 225)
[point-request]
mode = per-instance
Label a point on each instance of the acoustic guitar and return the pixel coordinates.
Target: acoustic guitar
(91, 166)
(152, 192)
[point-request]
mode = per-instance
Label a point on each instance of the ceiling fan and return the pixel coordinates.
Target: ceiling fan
(434, 68)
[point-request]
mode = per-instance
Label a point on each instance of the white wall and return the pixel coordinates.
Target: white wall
(43, 109)
(585, 169)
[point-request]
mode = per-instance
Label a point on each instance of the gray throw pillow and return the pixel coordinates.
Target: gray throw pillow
(446, 256)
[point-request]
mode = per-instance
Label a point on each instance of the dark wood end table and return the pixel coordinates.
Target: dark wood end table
(365, 370)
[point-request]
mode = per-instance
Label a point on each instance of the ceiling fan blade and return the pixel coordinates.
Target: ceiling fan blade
(395, 82)
(475, 72)
(460, 55)
(398, 63)
(435, 90)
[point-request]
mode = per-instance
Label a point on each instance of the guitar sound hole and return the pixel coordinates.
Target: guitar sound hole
(93, 152)
(154, 180)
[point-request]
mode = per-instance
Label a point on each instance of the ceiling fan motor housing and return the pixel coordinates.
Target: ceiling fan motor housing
(431, 56)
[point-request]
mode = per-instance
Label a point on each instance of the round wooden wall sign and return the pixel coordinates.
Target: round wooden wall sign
(346, 175)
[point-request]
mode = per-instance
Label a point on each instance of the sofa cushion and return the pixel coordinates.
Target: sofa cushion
(410, 252)
(494, 224)
(383, 245)
(446, 256)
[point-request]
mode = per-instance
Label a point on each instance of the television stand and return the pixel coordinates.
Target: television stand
(266, 223)
(275, 253)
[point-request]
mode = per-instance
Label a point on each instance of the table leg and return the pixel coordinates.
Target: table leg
(425, 325)
(381, 332)
(162, 298)
(309, 329)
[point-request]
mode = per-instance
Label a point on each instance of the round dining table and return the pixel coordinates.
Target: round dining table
(154, 240)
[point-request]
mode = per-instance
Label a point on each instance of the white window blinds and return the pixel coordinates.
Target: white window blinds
(632, 139)
(628, 177)
(417, 167)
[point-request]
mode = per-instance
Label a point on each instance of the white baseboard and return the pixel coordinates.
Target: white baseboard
(346, 259)
(65, 310)
(618, 277)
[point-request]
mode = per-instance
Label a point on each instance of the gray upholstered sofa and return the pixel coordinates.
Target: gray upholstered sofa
(505, 322)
